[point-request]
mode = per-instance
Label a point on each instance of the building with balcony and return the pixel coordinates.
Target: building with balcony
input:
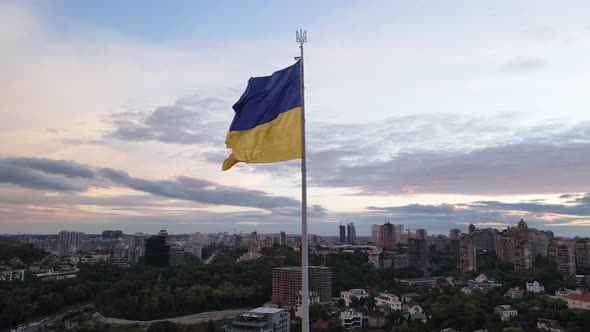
(262, 319)
(353, 295)
(351, 318)
(506, 312)
(388, 300)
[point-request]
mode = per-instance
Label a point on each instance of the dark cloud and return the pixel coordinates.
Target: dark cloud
(525, 65)
(60, 167)
(313, 211)
(61, 175)
(198, 190)
(191, 120)
(565, 196)
(83, 141)
(30, 178)
(511, 169)
(45, 174)
(417, 209)
(582, 209)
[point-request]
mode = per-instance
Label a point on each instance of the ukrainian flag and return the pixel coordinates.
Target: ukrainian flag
(267, 124)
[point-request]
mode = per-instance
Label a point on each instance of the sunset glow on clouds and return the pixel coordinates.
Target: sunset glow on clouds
(428, 115)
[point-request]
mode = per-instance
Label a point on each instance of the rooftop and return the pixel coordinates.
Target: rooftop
(266, 310)
(580, 297)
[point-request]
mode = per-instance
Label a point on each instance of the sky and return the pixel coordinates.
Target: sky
(431, 114)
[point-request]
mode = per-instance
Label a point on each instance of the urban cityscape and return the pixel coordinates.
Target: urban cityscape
(385, 281)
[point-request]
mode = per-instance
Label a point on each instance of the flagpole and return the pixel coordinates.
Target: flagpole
(301, 37)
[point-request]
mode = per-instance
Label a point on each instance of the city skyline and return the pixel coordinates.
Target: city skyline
(446, 115)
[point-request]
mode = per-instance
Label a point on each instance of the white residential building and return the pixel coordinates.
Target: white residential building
(481, 279)
(353, 294)
(389, 300)
(535, 287)
(351, 318)
(263, 319)
(412, 308)
(10, 275)
(515, 293)
(506, 312)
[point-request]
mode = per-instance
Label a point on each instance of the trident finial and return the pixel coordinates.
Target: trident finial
(301, 36)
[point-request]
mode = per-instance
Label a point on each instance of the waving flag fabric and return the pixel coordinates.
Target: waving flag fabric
(267, 124)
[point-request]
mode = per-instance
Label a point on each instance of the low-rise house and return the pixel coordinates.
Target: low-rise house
(482, 278)
(548, 325)
(443, 282)
(579, 301)
(417, 282)
(351, 318)
(409, 297)
(353, 294)
(564, 293)
(10, 275)
(412, 308)
(514, 293)
(389, 300)
(60, 274)
(506, 312)
(535, 288)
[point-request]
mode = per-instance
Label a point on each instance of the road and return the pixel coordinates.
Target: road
(212, 257)
(190, 319)
(49, 319)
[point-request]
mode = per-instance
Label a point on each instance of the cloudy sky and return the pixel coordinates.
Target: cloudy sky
(433, 114)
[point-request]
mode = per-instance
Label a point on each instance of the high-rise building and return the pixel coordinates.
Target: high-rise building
(351, 234)
(176, 255)
(441, 245)
(472, 229)
(342, 229)
(522, 258)
(505, 246)
(522, 231)
(467, 257)
(286, 284)
(454, 233)
(375, 234)
(111, 235)
(582, 249)
(539, 242)
(387, 235)
(197, 250)
(421, 234)
(398, 231)
(565, 259)
(69, 242)
(417, 253)
(282, 238)
(484, 239)
(157, 252)
(553, 243)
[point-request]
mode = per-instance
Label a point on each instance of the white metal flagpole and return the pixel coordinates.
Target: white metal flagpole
(301, 37)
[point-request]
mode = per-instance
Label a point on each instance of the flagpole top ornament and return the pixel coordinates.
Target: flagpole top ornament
(301, 36)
